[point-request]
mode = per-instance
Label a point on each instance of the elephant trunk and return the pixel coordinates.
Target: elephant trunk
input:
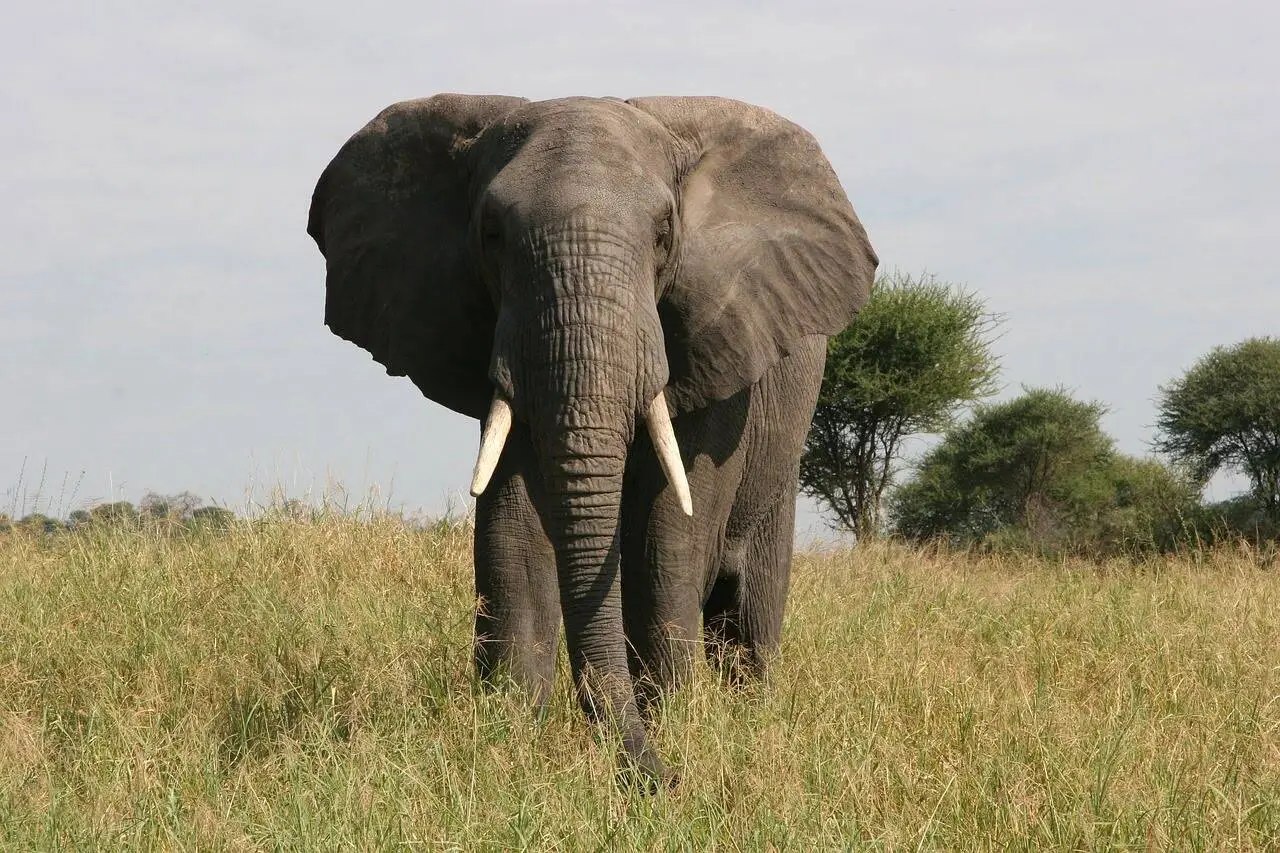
(582, 418)
(583, 470)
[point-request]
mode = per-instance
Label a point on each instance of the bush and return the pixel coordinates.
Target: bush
(212, 518)
(1037, 463)
(1241, 517)
(1038, 474)
(39, 523)
(1153, 508)
(116, 513)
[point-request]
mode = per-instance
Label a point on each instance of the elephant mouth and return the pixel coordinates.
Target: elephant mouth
(657, 419)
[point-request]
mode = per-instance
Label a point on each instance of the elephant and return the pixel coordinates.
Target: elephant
(564, 271)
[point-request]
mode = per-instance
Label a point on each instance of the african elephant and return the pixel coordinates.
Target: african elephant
(565, 270)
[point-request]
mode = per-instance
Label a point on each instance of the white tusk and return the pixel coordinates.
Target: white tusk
(664, 443)
(496, 427)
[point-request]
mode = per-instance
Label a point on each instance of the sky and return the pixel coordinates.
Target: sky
(1105, 175)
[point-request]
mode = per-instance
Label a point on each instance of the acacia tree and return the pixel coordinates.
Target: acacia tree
(912, 358)
(1225, 413)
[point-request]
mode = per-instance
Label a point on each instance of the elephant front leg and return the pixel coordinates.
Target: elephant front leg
(518, 600)
(742, 617)
(662, 578)
(661, 617)
(744, 608)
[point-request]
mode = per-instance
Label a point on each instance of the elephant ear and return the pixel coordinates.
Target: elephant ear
(391, 215)
(770, 248)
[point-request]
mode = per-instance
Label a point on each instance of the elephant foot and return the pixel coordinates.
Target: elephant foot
(640, 768)
(646, 774)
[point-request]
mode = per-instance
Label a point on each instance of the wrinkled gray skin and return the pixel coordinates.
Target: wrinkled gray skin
(580, 257)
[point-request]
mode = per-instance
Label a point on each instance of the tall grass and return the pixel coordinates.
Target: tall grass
(306, 684)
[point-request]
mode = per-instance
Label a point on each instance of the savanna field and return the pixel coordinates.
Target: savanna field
(306, 685)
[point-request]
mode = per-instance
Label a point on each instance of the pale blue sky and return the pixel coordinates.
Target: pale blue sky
(1105, 174)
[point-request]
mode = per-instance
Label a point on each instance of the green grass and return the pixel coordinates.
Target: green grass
(307, 686)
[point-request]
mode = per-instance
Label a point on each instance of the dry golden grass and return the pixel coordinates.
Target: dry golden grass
(306, 685)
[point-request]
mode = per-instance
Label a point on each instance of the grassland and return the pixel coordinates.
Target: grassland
(306, 685)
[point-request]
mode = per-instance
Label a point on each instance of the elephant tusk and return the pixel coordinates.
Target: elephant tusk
(658, 420)
(496, 427)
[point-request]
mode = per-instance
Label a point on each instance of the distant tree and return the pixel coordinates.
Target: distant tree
(1224, 413)
(213, 517)
(913, 357)
(175, 507)
(117, 512)
(6, 523)
(37, 522)
(79, 519)
(1039, 464)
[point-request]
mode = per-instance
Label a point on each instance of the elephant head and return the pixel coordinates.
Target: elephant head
(585, 265)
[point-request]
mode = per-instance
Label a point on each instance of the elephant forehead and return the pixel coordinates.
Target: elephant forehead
(570, 199)
(596, 138)
(541, 187)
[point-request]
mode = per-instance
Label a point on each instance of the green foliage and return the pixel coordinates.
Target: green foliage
(916, 353)
(115, 513)
(213, 517)
(39, 523)
(173, 514)
(1225, 413)
(1152, 508)
(1242, 517)
(1038, 473)
(1034, 462)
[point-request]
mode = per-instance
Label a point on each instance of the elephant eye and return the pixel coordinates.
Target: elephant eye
(662, 237)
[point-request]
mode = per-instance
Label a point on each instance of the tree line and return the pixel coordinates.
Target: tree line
(181, 510)
(1036, 472)
(186, 512)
